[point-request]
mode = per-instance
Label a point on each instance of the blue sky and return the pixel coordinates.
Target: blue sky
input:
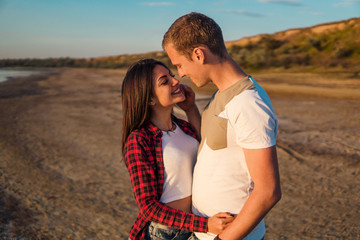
(92, 28)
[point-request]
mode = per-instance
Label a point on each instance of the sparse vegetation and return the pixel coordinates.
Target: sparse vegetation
(120, 61)
(333, 47)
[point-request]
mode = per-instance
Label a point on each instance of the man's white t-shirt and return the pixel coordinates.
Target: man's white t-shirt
(236, 118)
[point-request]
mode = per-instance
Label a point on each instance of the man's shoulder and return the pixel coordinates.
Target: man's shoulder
(242, 89)
(251, 107)
(242, 100)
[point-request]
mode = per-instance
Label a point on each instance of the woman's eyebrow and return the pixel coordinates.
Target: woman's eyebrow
(164, 76)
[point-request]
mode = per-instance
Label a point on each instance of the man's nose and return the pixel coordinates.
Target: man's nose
(181, 73)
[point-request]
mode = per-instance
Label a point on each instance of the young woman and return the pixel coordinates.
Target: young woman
(160, 152)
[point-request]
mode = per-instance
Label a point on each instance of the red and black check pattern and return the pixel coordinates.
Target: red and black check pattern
(144, 161)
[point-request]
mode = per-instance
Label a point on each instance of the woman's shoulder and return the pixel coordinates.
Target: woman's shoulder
(139, 134)
(137, 141)
(146, 133)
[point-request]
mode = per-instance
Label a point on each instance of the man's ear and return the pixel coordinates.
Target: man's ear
(199, 54)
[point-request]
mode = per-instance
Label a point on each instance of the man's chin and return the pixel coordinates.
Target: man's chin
(199, 85)
(196, 83)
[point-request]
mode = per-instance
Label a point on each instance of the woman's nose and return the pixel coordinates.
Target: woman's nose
(175, 81)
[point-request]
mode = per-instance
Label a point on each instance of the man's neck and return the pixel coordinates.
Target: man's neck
(226, 73)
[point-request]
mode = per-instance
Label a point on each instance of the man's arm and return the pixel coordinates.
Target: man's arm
(264, 171)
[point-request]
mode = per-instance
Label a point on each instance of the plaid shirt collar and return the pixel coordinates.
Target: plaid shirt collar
(155, 131)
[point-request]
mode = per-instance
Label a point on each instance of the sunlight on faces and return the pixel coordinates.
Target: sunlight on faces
(191, 69)
(167, 90)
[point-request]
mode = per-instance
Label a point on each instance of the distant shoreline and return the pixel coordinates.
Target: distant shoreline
(7, 74)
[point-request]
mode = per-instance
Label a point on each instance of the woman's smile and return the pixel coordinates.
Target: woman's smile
(178, 91)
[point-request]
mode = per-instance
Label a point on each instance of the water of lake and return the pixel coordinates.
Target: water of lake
(6, 73)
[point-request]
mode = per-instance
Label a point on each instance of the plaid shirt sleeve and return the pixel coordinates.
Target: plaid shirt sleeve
(141, 165)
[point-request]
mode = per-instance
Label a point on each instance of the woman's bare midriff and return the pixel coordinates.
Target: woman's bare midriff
(183, 204)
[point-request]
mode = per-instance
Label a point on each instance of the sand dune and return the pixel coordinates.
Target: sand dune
(61, 174)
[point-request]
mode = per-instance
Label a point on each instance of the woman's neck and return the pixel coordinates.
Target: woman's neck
(162, 121)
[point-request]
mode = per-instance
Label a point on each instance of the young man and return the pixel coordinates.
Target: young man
(237, 167)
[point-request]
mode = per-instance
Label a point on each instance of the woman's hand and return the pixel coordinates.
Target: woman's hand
(189, 98)
(190, 108)
(218, 222)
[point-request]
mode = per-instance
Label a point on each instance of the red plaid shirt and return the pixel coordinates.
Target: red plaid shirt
(144, 161)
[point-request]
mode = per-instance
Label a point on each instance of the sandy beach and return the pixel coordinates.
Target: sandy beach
(61, 174)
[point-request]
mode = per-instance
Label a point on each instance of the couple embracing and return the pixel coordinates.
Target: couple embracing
(214, 176)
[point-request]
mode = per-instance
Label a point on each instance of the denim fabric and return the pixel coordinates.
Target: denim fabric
(193, 237)
(157, 231)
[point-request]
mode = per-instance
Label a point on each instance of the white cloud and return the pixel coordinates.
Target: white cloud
(317, 13)
(243, 12)
(284, 2)
(346, 3)
(158, 4)
(218, 3)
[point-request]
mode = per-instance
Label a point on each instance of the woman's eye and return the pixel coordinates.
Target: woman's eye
(165, 82)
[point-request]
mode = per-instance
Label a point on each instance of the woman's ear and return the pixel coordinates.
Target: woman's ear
(152, 102)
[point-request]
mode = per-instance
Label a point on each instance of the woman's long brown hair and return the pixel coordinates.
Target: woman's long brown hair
(137, 89)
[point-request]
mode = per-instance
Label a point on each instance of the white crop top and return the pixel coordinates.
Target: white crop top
(179, 156)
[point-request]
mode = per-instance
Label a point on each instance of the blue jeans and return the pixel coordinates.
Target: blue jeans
(157, 231)
(193, 237)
